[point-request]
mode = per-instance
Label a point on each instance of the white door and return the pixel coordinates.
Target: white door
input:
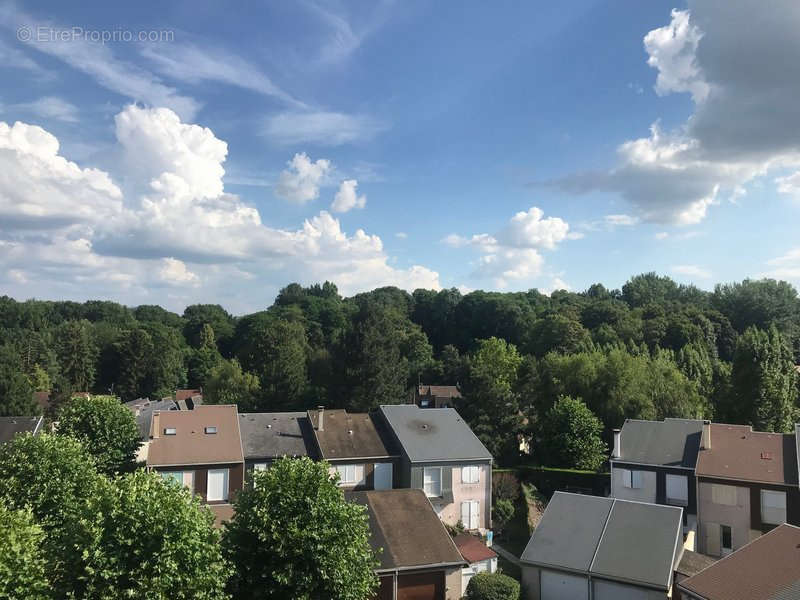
(217, 485)
(383, 476)
(562, 586)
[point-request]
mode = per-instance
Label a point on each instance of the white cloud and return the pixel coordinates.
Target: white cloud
(347, 197)
(49, 107)
(555, 285)
(530, 230)
(301, 181)
(620, 220)
(401, 235)
(321, 128)
(789, 185)
(691, 271)
(662, 235)
(175, 272)
(785, 267)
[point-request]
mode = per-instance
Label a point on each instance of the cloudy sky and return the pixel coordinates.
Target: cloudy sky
(202, 153)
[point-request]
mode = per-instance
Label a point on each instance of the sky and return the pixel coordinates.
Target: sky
(204, 152)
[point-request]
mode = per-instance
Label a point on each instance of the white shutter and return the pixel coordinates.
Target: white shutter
(474, 515)
(773, 507)
(713, 539)
(723, 494)
(677, 489)
(217, 485)
(626, 478)
(465, 512)
(636, 480)
(383, 476)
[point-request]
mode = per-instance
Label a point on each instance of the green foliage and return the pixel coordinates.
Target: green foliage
(204, 359)
(77, 354)
(502, 512)
(22, 563)
(106, 428)
(295, 536)
(157, 542)
(492, 586)
(229, 384)
(505, 486)
(16, 392)
(569, 436)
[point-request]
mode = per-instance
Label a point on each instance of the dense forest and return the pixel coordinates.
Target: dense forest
(651, 350)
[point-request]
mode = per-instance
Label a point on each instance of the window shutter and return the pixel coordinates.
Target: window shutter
(713, 539)
(417, 481)
(474, 517)
(447, 484)
(465, 511)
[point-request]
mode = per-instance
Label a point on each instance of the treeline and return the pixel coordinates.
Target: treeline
(650, 350)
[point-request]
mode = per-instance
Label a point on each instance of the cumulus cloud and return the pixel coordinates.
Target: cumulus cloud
(789, 185)
(347, 197)
(512, 254)
(691, 271)
(784, 267)
(300, 182)
(745, 121)
(323, 128)
(73, 232)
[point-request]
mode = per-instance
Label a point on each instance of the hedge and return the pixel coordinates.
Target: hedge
(492, 586)
(549, 480)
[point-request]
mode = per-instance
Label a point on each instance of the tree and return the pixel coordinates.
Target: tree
(197, 315)
(649, 288)
(228, 384)
(135, 351)
(54, 477)
(22, 563)
(293, 535)
(764, 381)
(569, 436)
(557, 333)
(203, 359)
(502, 512)
(106, 428)
(157, 541)
(492, 586)
(77, 354)
(16, 393)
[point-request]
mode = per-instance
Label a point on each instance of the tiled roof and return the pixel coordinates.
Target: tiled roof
(347, 435)
(272, 435)
(442, 391)
(472, 548)
(11, 426)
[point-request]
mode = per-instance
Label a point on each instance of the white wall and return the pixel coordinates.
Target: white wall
(611, 590)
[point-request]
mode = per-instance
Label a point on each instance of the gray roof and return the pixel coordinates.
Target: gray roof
(615, 539)
(272, 435)
(11, 426)
(433, 434)
(671, 442)
(142, 409)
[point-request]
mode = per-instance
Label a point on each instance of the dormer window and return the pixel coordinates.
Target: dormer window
(211, 430)
(170, 431)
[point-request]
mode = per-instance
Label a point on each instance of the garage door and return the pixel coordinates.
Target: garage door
(609, 590)
(423, 586)
(386, 589)
(563, 586)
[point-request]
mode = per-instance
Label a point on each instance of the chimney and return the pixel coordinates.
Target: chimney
(705, 437)
(320, 417)
(154, 425)
(617, 451)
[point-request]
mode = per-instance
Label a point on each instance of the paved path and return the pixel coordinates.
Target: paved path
(505, 553)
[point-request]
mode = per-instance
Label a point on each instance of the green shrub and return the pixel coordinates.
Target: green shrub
(502, 512)
(492, 586)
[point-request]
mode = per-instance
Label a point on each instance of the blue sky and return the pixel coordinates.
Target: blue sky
(418, 144)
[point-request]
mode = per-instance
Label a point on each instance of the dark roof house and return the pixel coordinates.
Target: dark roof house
(671, 442)
(340, 435)
(268, 436)
(767, 568)
(11, 426)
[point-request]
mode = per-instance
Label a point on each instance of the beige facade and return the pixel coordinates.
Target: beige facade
(467, 492)
(720, 504)
(452, 583)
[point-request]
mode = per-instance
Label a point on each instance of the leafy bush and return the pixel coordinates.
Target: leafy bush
(502, 512)
(505, 486)
(492, 586)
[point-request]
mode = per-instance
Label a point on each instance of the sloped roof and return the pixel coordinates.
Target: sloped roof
(272, 435)
(693, 562)
(604, 537)
(143, 409)
(11, 426)
(737, 452)
(191, 445)
(432, 434)
(671, 442)
(347, 435)
(767, 568)
(404, 524)
(472, 548)
(442, 391)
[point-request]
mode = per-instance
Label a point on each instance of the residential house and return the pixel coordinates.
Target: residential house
(691, 564)
(143, 408)
(12, 426)
(188, 399)
(202, 449)
(436, 396)
(418, 560)
(654, 461)
(440, 454)
(747, 483)
(480, 558)
(267, 437)
(766, 569)
(593, 548)
(354, 446)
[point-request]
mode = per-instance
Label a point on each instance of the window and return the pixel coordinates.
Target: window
(217, 485)
(184, 478)
(170, 431)
(260, 466)
(773, 507)
(677, 490)
(470, 514)
(723, 494)
(432, 481)
(350, 474)
(631, 479)
(470, 474)
(211, 430)
(727, 539)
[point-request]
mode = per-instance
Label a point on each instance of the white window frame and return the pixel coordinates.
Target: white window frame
(471, 474)
(170, 431)
(350, 474)
(210, 429)
(773, 507)
(226, 484)
(472, 510)
(433, 489)
(631, 479)
(724, 495)
(185, 478)
(683, 484)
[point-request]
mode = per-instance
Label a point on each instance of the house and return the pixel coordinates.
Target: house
(188, 399)
(202, 449)
(654, 461)
(419, 560)
(355, 448)
(436, 396)
(691, 564)
(143, 408)
(441, 455)
(480, 558)
(269, 436)
(11, 426)
(767, 568)
(593, 548)
(747, 483)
